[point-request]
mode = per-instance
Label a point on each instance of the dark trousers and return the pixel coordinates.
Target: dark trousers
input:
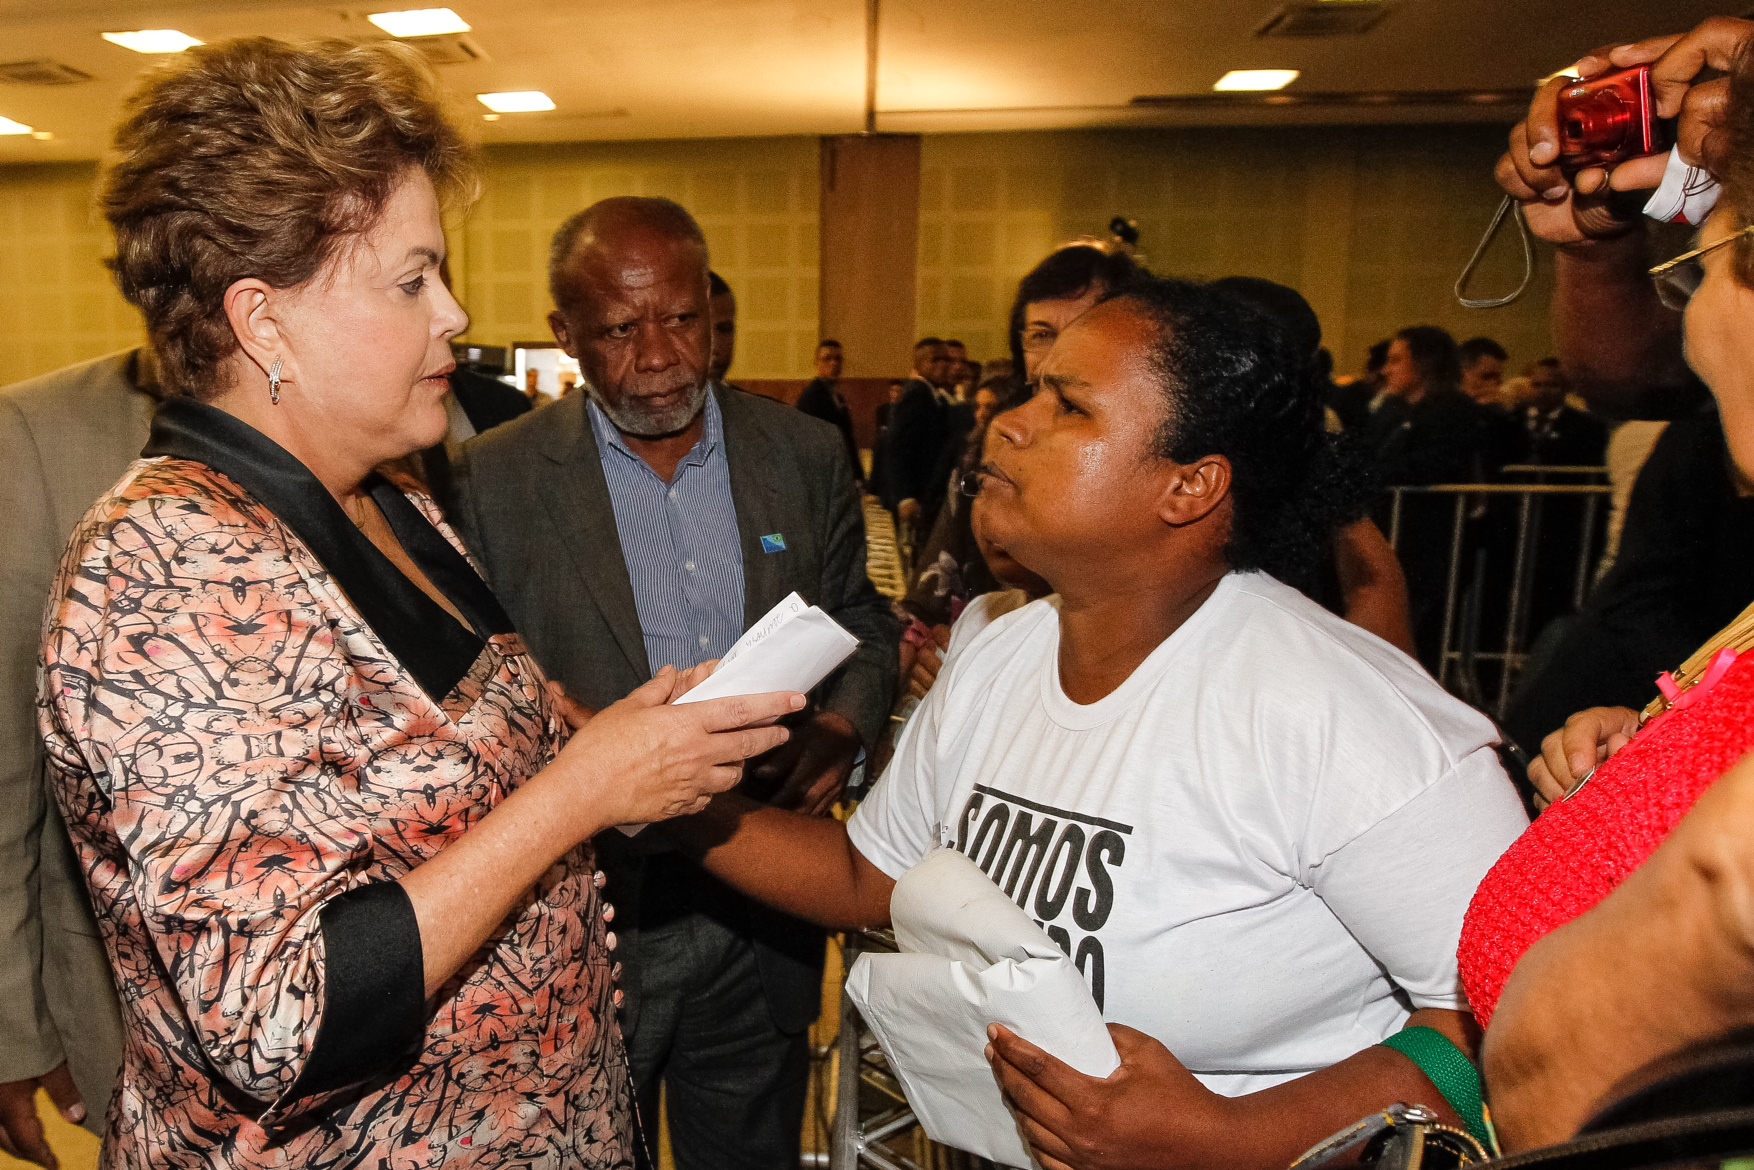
(735, 1083)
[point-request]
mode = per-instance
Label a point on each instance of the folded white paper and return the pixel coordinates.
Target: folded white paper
(1687, 193)
(971, 957)
(792, 648)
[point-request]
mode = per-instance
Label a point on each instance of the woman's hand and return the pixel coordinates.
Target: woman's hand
(1149, 1113)
(928, 661)
(1587, 740)
(644, 759)
(575, 713)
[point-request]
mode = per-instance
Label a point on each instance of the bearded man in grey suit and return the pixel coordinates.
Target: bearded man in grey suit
(650, 521)
(65, 438)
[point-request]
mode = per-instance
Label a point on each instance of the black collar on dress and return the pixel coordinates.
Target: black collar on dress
(431, 645)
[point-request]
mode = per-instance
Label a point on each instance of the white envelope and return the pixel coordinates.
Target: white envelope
(971, 957)
(792, 648)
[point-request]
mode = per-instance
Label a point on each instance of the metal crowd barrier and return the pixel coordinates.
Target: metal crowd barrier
(1461, 654)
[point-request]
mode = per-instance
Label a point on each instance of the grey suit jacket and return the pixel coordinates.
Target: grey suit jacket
(532, 503)
(66, 438)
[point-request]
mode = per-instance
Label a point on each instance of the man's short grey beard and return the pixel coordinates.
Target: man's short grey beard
(631, 420)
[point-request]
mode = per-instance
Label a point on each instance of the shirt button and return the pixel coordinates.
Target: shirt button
(599, 879)
(611, 941)
(703, 639)
(689, 565)
(620, 997)
(672, 493)
(608, 912)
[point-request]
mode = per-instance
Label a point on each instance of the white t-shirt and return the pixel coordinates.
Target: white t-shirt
(1258, 848)
(981, 612)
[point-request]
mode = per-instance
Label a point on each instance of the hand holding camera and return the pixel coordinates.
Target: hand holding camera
(1589, 140)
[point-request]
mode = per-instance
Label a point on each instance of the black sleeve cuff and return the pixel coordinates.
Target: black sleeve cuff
(374, 988)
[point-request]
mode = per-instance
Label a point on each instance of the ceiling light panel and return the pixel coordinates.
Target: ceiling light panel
(8, 126)
(420, 22)
(152, 40)
(523, 101)
(1255, 80)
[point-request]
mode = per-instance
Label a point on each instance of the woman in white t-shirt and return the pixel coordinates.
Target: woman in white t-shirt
(1254, 827)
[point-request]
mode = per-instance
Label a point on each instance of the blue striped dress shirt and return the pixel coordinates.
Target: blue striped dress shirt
(681, 543)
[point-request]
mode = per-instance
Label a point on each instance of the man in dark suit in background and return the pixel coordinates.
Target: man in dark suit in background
(650, 521)
(919, 432)
(1553, 433)
(822, 399)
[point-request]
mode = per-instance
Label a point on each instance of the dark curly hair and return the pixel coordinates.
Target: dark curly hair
(1236, 384)
(256, 158)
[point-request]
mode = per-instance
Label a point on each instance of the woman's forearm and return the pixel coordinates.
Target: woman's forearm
(1668, 958)
(805, 866)
(1373, 583)
(462, 894)
(1272, 1127)
(1619, 345)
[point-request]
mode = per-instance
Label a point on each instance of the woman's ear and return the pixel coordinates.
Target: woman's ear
(1193, 490)
(249, 307)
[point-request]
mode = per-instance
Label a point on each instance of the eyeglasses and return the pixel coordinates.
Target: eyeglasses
(1678, 279)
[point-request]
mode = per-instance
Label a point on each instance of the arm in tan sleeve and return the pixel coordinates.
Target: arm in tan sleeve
(29, 1045)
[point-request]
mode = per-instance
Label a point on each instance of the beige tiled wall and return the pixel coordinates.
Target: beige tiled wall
(755, 198)
(1372, 225)
(58, 304)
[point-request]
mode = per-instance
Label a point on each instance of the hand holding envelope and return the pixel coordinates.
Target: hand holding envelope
(792, 648)
(971, 957)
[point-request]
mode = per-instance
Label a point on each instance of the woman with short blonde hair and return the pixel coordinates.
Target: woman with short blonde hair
(339, 854)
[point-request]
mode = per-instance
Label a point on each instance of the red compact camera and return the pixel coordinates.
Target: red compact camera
(1609, 119)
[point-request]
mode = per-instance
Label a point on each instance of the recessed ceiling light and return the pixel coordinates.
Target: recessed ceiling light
(420, 22)
(41, 135)
(8, 126)
(490, 117)
(1255, 80)
(152, 40)
(521, 101)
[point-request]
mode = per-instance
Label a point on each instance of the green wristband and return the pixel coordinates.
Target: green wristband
(1448, 1068)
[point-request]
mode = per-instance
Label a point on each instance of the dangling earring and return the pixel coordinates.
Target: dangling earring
(274, 382)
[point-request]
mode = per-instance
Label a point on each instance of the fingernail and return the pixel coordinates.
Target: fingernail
(1555, 194)
(992, 1031)
(797, 702)
(74, 1113)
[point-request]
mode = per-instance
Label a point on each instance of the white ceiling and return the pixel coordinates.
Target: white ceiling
(631, 69)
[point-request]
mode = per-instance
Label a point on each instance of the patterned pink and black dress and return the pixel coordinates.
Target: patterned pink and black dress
(256, 725)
